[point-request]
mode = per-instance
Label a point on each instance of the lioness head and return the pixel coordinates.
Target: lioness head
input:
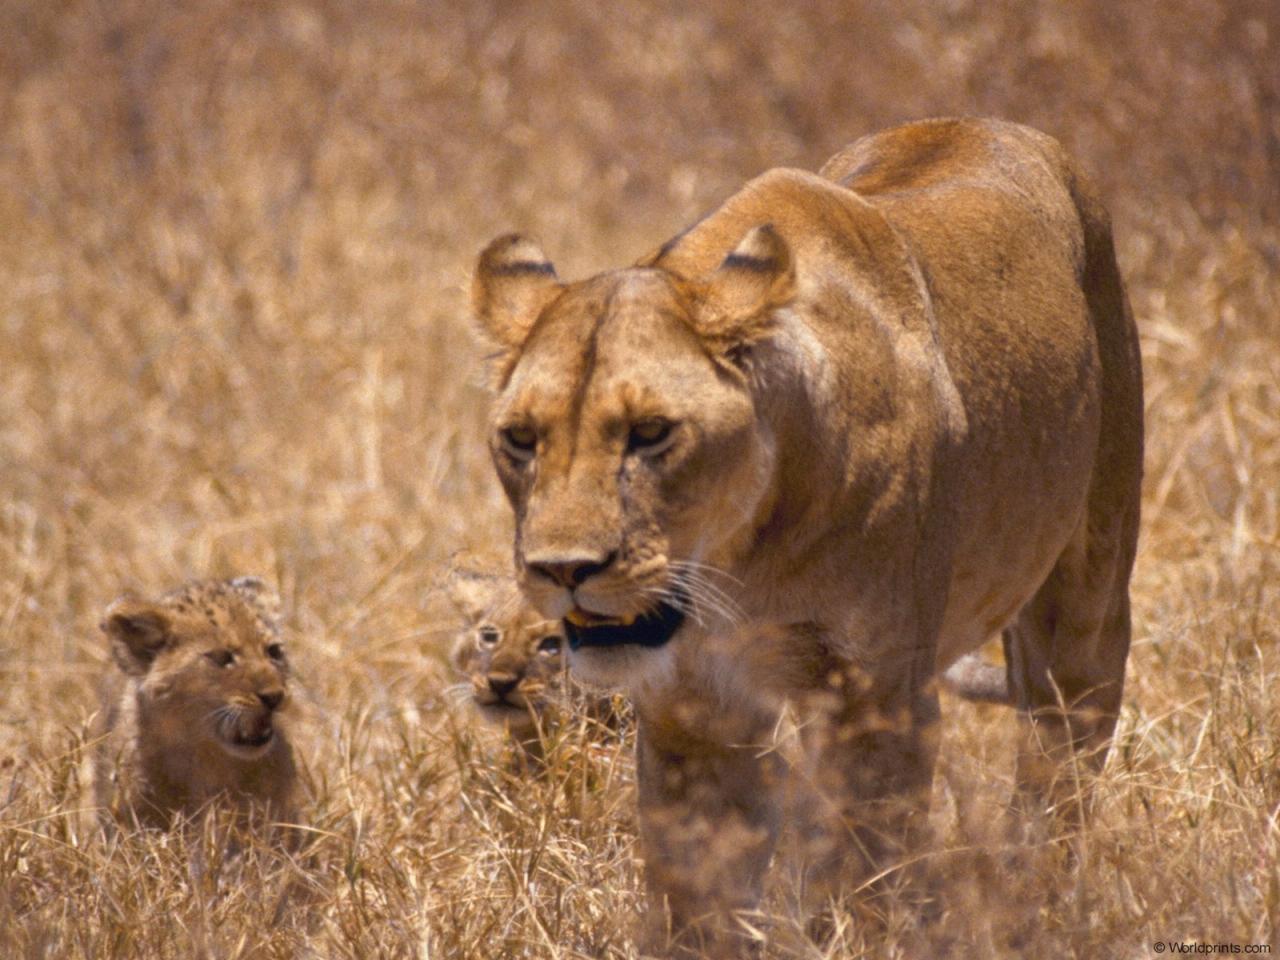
(511, 656)
(626, 437)
(207, 664)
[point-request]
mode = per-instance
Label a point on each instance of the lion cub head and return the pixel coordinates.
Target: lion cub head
(195, 711)
(510, 655)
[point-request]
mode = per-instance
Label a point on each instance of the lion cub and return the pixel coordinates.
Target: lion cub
(512, 657)
(193, 712)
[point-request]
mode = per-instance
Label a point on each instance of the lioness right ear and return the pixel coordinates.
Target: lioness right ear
(738, 296)
(138, 631)
(514, 281)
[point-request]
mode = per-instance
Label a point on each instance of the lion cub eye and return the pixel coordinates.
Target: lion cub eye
(221, 658)
(488, 636)
(651, 436)
(520, 442)
(275, 651)
(549, 645)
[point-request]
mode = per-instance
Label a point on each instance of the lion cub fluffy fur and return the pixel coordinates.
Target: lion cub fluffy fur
(510, 657)
(191, 714)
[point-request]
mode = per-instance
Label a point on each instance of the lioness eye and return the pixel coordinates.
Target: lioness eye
(650, 436)
(221, 658)
(275, 651)
(550, 645)
(489, 635)
(520, 442)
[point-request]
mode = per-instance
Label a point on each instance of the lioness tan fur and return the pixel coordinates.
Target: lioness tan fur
(191, 714)
(817, 448)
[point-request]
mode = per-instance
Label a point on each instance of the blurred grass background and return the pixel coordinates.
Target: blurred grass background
(235, 239)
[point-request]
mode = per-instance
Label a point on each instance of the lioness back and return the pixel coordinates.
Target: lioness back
(1010, 214)
(192, 711)
(993, 251)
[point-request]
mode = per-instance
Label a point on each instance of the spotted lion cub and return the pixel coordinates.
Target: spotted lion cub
(193, 712)
(511, 656)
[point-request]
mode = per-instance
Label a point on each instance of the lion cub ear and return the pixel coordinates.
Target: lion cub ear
(473, 592)
(738, 297)
(256, 592)
(138, 632)
(514, 281)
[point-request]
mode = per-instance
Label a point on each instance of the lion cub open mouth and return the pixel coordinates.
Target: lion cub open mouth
(247, 738)
(652, 629)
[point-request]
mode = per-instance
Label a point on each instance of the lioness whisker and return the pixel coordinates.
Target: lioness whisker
(505, 607)
(707, 595)
(698, 566)
(693, 600)
(688, 573)
(711, 594)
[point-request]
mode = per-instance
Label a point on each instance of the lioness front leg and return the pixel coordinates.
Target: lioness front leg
(872, 746)
(709, 819)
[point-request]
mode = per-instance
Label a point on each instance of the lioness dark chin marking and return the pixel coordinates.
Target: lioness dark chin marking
(866, 419)
(651, 629)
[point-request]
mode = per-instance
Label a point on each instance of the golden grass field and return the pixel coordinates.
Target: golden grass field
(235, 239)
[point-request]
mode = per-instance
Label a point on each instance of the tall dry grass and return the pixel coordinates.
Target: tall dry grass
(234, 240)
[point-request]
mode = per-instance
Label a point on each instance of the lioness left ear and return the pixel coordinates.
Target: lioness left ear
(513, 282)
(736, 299)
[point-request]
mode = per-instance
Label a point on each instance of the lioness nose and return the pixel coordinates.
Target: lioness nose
(271, 698)
(503, 683)
(573, 573)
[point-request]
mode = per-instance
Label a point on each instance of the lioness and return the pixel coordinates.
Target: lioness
(192, 714)
(818, 447)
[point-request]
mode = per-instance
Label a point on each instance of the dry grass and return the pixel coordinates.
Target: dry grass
(233, 243)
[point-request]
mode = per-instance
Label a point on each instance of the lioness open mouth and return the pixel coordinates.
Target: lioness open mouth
(652, 629)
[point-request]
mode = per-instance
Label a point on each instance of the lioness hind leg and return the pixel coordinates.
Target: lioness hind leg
(1066, 651)
(1065, 655)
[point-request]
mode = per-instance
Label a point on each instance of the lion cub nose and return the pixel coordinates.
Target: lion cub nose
(573, 573)
(503, 683)
(271, 699)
